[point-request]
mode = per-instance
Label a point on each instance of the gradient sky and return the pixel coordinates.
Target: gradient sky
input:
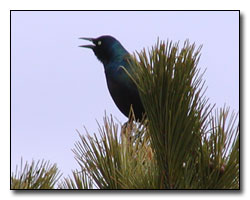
(57, 87)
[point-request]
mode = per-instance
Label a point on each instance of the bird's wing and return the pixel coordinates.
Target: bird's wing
(122, 78)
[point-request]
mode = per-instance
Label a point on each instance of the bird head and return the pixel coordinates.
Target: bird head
(105, 47)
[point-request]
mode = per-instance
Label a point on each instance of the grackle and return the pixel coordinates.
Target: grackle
(122, 89)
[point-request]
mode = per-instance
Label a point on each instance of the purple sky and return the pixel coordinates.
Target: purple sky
(57, 87)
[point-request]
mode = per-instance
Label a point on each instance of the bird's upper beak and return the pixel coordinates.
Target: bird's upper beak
(87, 46)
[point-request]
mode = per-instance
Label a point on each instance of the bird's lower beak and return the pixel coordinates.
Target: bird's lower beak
(87, 46)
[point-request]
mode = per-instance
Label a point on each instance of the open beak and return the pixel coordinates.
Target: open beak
(87, 46)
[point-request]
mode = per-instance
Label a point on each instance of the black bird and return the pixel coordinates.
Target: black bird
(122, 89)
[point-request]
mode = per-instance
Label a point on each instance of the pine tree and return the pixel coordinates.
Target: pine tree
(182, 143)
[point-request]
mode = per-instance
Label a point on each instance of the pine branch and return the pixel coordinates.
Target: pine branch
(37, 175)
(80, 180)
(116, 162)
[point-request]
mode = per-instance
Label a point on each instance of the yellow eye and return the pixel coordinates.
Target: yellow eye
(99, 42)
